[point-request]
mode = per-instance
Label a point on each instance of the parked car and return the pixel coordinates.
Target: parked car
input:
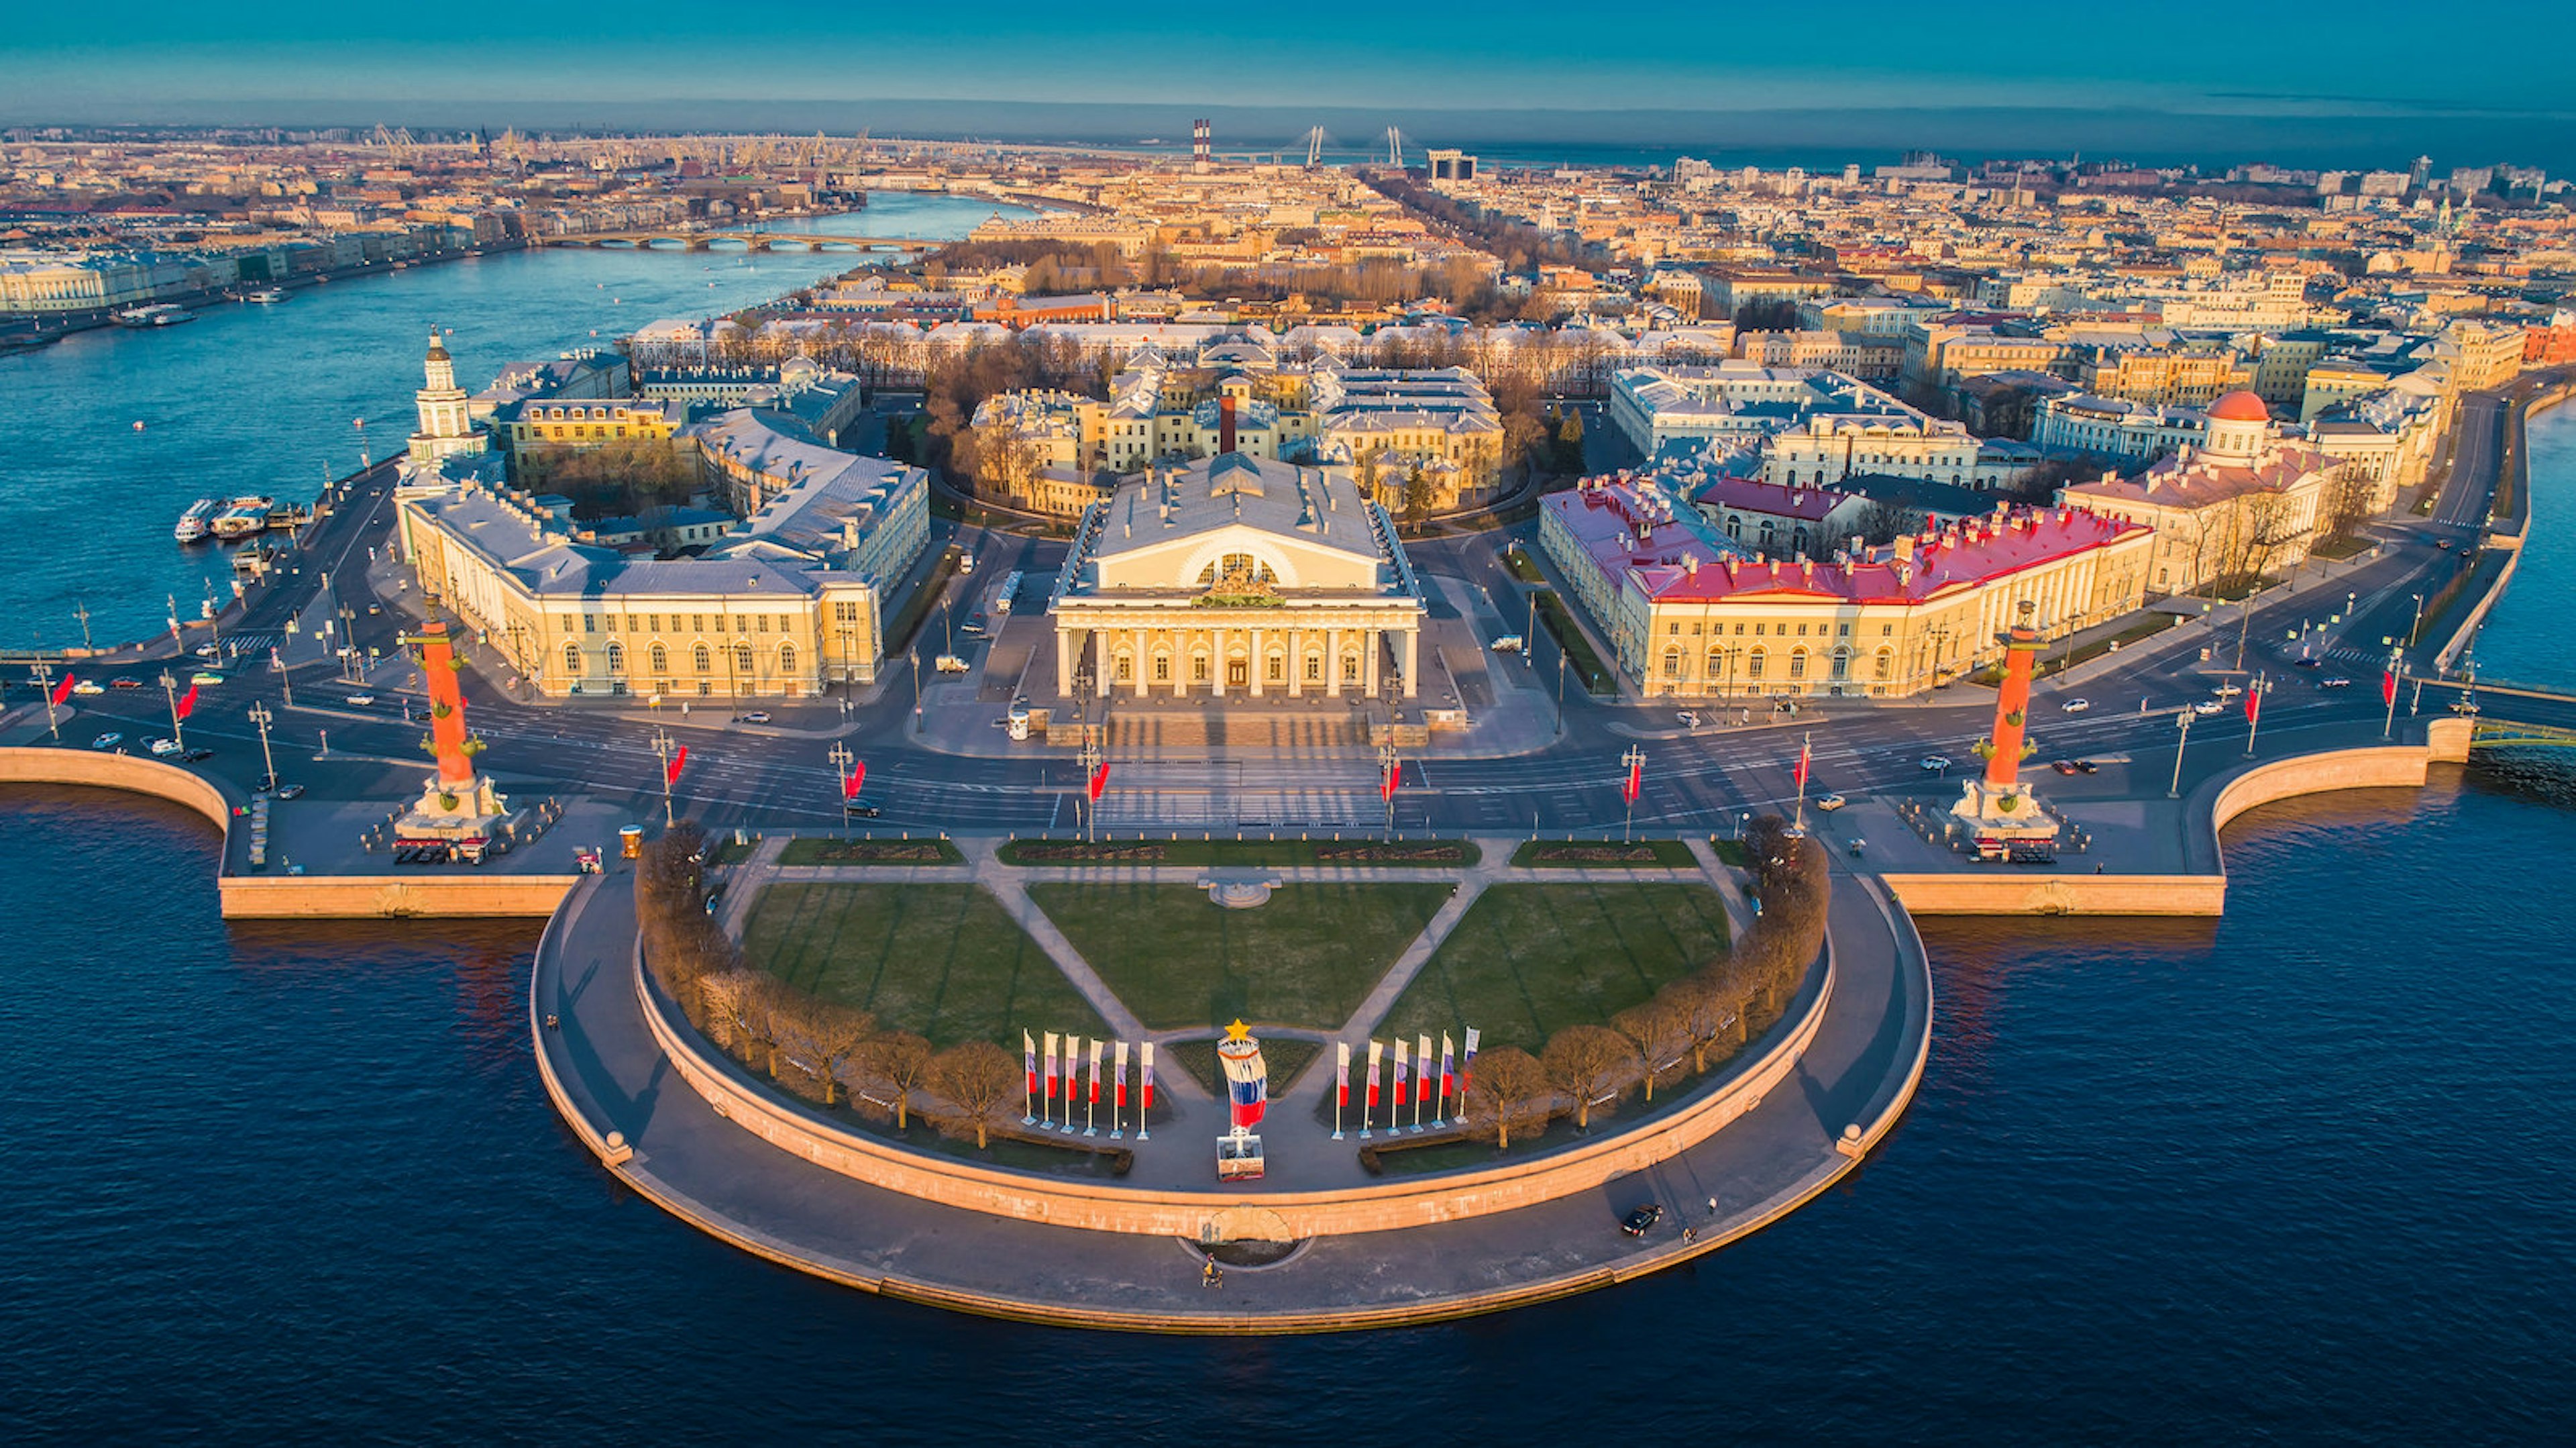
(1936, 763)
(2338, 681)
(756, 716)
(2226, 691)
(1509, 644)
(2074, 706)
(109, 740)
(950, 664)
(1831, 802)
(125, 683)
(163, 748)
(89, 686)
(2207, 707)
(1641, 1220)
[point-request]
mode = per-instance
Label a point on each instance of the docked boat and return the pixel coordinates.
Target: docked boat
(195, 523)
(164, 314)
(241, 517)
(266, 297)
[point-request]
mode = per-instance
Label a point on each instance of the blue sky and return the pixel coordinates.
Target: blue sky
(2256, 56)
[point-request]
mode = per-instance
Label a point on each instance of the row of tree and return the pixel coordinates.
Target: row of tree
(1684, 1027)
(816, 1047)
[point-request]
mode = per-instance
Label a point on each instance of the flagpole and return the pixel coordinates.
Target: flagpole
(1028, 1079)
(1422, 1078)
(2388, 689)
(1806, 743)
(45, 682)
(1046, 1108)
(1091, 1098)
(1629, 789)
(170, 691)
(1341, 1085)
(1145, 1102)
(2254, 693)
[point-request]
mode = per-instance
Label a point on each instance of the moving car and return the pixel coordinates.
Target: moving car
(209, 651)
(756, 716)
(1689, 718)
(1641, 1220)
(1935, 763)
(2074, 706)
(2063, 766)
(198, 755)
(163, 748)
(1831, 802)
(362, 698)
(108, 740)
(949, 664)
(89, 686)
(2307, 663)
(2087, 766)
(291, 791)
(125, 683)
(207, 677)
(2207, 707)
(865, 809)
(2336, 682)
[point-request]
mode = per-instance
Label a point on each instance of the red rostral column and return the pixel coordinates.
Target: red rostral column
(2012, 702)
(446, 709)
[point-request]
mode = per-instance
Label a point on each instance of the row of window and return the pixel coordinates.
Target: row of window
(1841, 630)
(742, 622)
(1276, 671)
(658, 659)
(1883, 666)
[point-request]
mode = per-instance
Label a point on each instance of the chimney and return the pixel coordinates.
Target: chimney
(1905, 548)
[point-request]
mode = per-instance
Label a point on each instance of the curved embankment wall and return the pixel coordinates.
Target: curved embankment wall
(1285, 1216)
(2384, 766)
(288, 897)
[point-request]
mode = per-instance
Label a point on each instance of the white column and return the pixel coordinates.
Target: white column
(1333, 662)
(1064, 661)
(1253, 670)
(1412, 686)
(1105, 658)
(1368, 661)
(1144, 665)
(1216, 662)
(1296, 647)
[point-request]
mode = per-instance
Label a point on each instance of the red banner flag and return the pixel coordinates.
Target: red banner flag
(2388, 688)
(1394, 776)
(1635, 784)
(2253, 705)
(1805, 758)
(1342, 1080)
(187, 704)
(1099, 783)
(671, 772)
(850, 786)
(63, 690)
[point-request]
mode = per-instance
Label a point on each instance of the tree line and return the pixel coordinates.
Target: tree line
(1685, 1027)
(816, 1048)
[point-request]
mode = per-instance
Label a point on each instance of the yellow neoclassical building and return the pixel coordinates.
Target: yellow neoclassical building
(1238, 575)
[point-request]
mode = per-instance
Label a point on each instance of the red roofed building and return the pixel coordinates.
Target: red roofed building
(2239, 505)
(1689, 613)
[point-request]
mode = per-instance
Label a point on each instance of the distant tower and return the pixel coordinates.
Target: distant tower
(445, 429)
(1199, 151)
(2419, 173)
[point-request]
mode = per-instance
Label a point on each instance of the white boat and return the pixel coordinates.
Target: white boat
(266, 297)
(165, 314)
(241, 517)
(193, 523)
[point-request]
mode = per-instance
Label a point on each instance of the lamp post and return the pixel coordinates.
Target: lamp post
(2183, 717)
(1529, 635)
(45, 686)
(2254, 693)
(662, 751)
(841, 758)
(912, 656)
(1090, 758)
(81, 612)
(1386, 766)
(2417, 626)
(170, 692)
(261, 718)
(1635, 759)
(2388, 686)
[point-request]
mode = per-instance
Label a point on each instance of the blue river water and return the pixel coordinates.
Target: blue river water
(2294, 1176)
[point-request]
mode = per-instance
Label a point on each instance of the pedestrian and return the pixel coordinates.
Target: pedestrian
(2097, 867)
(1712, 1206)
(1689, 1235)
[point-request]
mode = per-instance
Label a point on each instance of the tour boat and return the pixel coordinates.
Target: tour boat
(241, 517)
(266, 296)
(193, 523)
(165, 314)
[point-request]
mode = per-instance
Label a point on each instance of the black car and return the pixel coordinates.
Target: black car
(861, 809)
(198, 756)
(292, 791)
(2307, 663)
(1641, 1220)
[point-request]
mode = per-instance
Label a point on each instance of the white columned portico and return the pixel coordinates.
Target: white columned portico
(1368, 663)
(1144, 664)
(1216, 661)
(1411, 685)
(1296, 663)
(1064, 662)
(1258, 662)
(1333, 662)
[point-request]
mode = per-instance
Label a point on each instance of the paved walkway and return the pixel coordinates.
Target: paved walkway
(712, 1173)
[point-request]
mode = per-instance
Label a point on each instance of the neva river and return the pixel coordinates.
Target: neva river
(2297, 1176)
(265, 400)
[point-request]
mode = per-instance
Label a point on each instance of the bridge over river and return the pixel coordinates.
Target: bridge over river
(749, 240)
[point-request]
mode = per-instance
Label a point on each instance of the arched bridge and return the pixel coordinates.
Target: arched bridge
(748, 240)
(2508, 715)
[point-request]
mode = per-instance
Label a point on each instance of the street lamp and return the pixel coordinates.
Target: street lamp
(45, 685)
(2254, 693)
(662, 751)
(2184, 718)
(81, 612)
(841, 758)
(2417, 626)
(261, 718)
(2388, 686)
(170, 692)
(1386, 766)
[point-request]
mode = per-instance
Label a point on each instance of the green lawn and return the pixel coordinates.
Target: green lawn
(943, 960)
(1406, 854)
(1588, 669)
(1605, 855)
(1530, 959)
(1306, 958)
(827, 850)
(1522, 567)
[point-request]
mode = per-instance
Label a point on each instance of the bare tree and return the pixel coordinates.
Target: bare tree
(1712, 1005)
(835, 1032)
(1592, 1065)
(898, 1064)
(1660, 1030)
(1880, 523)
(1507, 1092)
(971, 1083)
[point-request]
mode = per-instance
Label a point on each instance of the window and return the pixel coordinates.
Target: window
(1886, 666)
(1314, 668)
(1842, 630)
(1126, 668)
(1672, 663)
(616, 657)
(741, 659)
(1798, 664)
(1842, 663)
(1198, 668)
(764, 623)
(1350, 668)
(1162, 668)
(590, 623)
(1716, 662)
(702, 658)
(661, 658)
(787, 658)
(1673, 628)
(697, 623)
(1278, 669)
(572, 658)
(1753, 665)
